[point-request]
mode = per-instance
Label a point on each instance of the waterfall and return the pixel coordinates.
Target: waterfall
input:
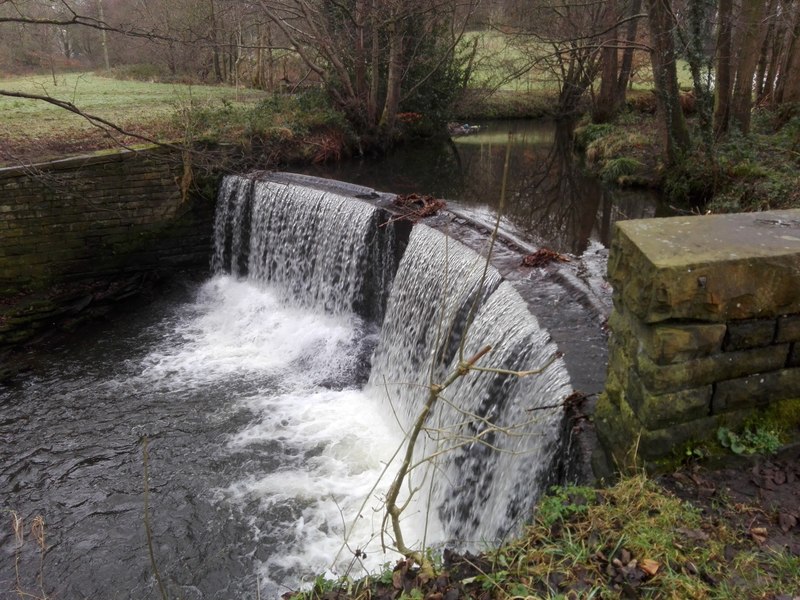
(495, 436)
(494, 439)
(320, 248)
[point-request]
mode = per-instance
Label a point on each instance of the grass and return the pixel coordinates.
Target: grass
(631, 540)
(496, 59)
(141, 107)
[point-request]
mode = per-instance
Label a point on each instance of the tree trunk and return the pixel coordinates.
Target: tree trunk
(764, 54)
(270, 61)
(360, 58)
(724, 76)
(789, 81)
(778, 44)
(393, 78)
(750, 42)
(103, 36)
(605, 105)
(627, 56)
(375, 61)
(218, 74)
(675, 133)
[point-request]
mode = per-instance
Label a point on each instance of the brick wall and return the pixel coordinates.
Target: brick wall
(79, 235)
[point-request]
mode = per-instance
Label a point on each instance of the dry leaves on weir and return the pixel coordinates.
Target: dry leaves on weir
(542, 257)
(417, 206)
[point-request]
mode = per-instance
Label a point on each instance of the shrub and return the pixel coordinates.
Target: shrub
(616, 169)
(138, 72)
(586, 135)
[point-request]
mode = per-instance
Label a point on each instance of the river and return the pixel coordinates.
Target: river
(262, 441)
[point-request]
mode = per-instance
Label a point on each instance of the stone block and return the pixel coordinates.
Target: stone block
(617, 430)
(656, 411)
(628, 441)
(749, 334)
(715, 268)
(788, 329)
(661, 443)
(667, 343)
(756, 390)
(794, 356)
(660, 379)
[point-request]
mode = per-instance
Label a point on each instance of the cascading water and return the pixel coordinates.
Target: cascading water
(268, 452)
(319, 248)
(494, 437)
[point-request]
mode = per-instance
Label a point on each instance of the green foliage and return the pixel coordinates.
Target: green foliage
(753, 440)
(591, 132)
(691, 181)
(617, 169)
(435, 97)
(564, 502)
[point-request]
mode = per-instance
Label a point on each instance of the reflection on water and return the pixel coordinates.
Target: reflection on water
(549, 196)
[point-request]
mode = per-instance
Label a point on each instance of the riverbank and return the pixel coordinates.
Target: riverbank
(695, 533)
(739, 174)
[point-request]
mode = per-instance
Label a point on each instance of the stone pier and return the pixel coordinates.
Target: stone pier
(705, 330)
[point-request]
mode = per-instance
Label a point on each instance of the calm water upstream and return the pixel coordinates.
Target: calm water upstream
(550, 199)
(263, 439)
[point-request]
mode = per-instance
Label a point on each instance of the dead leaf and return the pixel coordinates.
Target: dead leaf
(786, 521)
(397, 579)
(542, 257)
(649, 566)
(693, 534)
(759, 535)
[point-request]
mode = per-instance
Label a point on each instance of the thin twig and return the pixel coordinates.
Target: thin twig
(147, 528)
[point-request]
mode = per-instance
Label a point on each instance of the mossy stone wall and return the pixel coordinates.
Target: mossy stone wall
(705, 330)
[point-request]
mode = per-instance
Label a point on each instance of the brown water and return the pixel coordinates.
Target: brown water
(550, 198)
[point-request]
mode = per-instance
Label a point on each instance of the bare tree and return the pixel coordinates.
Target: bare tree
(674, 131)
(373, 55)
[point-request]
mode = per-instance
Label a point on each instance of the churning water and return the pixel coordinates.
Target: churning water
(273, 396)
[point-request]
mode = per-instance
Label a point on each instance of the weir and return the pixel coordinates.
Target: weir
(496, 439)
(275, 394)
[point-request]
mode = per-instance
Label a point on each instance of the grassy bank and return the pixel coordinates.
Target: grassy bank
(741, 173)
(632, 540)
(294, 127)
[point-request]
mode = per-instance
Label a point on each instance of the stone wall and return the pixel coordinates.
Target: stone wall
(98, 215)
(705, 330)
(79, 234)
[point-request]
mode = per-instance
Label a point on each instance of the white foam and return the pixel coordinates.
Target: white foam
(241, 327)
(313, 454)
(341, 443)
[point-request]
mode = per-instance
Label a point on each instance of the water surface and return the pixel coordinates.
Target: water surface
(550, 198)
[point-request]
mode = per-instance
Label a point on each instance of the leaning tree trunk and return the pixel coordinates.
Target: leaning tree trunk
(763, 56)
(788, 90)
(777, 43)
(674, 132)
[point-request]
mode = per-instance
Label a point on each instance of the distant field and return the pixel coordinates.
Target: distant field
(496, 59)
(145, 108)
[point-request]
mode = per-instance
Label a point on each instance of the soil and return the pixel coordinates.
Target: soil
(760, 500)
